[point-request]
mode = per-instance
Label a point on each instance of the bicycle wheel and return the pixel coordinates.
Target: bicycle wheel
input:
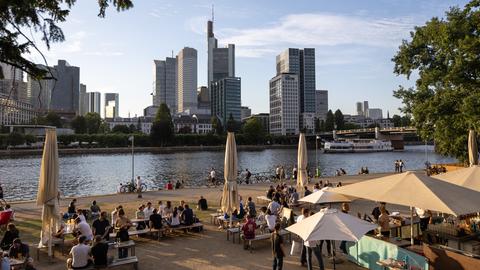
(143, 187)
(124, 189)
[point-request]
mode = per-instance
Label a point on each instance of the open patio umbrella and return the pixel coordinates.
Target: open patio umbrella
(472, 148)
(302, 177)
(467, 177)
(230, 189)
(331, 224)
(416, 189)
(326, 196)
(47, 195)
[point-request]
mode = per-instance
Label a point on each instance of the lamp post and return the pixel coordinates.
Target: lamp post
(316, 155)
(132, 139)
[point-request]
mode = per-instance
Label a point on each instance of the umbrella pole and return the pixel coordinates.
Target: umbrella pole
(411, 226)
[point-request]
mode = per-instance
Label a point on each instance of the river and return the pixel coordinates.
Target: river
(96, 174)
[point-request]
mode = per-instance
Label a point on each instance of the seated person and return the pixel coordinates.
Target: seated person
(83, 229)
(72, 208)
(202, 204)
(270, 192)
(81, 215)
(140, 214)
(101, 226)
(10, 234)
(99, 252)
(175, 218)
(95, 210)
(271, 220)
(4, 261)
(376, 211)
(248, 230)
(261, 216)
(294, 197)
(80, 255)
(187, 216)
(19, 250)
(155, 220)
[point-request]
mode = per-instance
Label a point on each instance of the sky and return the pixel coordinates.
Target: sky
(354, 43)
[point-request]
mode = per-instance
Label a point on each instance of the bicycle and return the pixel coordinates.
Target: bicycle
(131, 188)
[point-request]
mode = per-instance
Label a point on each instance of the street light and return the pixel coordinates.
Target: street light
(132, 139)
(316, 155)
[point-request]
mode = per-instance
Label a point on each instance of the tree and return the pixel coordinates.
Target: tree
(93, 121)
(330, 121)
(121, 129)
(445, 101)
(162, 128)
(40, 16)
(232, 125)
(50, 119)
(253, 131)
(339, 121)
(397, 120)
(217, 125)
(351, 126)
(79, 124)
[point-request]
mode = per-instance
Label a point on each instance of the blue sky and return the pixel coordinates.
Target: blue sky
(354, 42)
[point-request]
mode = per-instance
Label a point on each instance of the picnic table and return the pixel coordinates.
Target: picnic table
(263, 199)
(130, 244)
(16, 262)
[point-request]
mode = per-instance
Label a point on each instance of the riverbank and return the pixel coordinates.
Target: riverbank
(123, 150)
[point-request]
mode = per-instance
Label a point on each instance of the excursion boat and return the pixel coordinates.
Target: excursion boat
(358, 146)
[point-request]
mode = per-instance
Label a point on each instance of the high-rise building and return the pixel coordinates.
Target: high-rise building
(375, 113)
(284, 104)
(93, 102)
(245, 112)
(187, 80)
(66, 91)
(221, 61)
(365, 108)
(203, 99)
(226, 99)
(360, 108)
(40, 91)
(321, 104)
(111, 103)
(165, 83)
(11, 73)
(83, 107)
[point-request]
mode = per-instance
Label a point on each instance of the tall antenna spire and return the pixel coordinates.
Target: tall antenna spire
(213, 14)
(172, 53)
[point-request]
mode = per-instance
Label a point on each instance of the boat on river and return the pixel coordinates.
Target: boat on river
(358, 146)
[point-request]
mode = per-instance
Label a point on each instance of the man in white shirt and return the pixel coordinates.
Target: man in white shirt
(148, 211)
(271, 219)
(274, 207)
(139, 187)
(83, 229)
(80, 254)
(213, 176)
(161, 206)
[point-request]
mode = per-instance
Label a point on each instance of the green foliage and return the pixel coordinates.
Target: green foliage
(79, 124)
(445, 100)
(232, 125)
(401, 121)
(217, 125)
(50, 119)
(185, 130)
(18, 19)
(351, 126)
(339, 121)
(15, 139)
(330, 121)
(253, 131)
(93, 122)
(121, 129)
(162, 129)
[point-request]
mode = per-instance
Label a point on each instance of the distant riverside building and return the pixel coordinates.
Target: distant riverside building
(196, 124)
(142, 124)
(93, 102)
(245, 112)
(226, 99)
(187, 80)
(284, 104)
(221, 61)
(365, 109)
(365, 122)
(264, 119)
(375, 113)
(151, 111)
(203, 100)
(66, 92)
(165, 83)
(11, 73)
(302, 63)
(83, 107)
(360, 108)
(40, 91)
(321, 104)
(111, 103)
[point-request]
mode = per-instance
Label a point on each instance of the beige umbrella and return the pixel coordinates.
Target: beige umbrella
(47, 195)
(230, 190)
(472, 148)
(416, 189)
(467, 177)
(326, 196)
(302, 177)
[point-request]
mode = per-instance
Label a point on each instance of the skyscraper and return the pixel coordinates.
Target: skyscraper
(66, 91)
(187, 80)
(360, 109)
(83, 107)
(226, 99)
(302, 63)
(111, 103)
(321, 104)
(245, 112)
(165, 83)
(365, 108)
(93, 102)
(284, 104)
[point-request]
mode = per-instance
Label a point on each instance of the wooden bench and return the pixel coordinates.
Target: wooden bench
(263, 199)
(183, 227)
(126, 244)
(159, 233)
(55, 241)
(266, 236)
(133, 260)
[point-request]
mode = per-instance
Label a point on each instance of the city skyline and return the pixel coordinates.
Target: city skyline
(362, 55)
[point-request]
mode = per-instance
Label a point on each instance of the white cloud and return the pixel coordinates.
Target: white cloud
(314, 30)
(74, 42)
(104, 53)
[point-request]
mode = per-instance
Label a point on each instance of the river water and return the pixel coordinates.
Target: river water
(101, 174)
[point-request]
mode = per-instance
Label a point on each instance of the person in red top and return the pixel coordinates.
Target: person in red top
(248, 231)
(169, 185)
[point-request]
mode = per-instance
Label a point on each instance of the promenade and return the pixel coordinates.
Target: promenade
(208, 250)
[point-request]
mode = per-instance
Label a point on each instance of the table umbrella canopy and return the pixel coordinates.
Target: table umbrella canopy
(47, 195)
(331, 224)
(302, 177)
(418, 190)
(230, 189)
(472, 148)
(467, 177)
(326, 196)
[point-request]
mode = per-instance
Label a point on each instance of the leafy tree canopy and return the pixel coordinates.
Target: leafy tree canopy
(339, 120)
(162, 129)
(93, 122)
(330, 121)
(445, 101)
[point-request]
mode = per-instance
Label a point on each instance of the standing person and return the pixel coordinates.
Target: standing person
(401, 165)
(303, 254)
(248, 230)
(425, 216)
(252, 211)
(397, 166)
(277, 248)
(313, 247)
(295, 172)
(343, 244)
(384, 222)
(1, 195)
(139, 187)
(282, 174)
(277, 173)
(248, 174)
(101, 226)
(213, 176)
(307, 192)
